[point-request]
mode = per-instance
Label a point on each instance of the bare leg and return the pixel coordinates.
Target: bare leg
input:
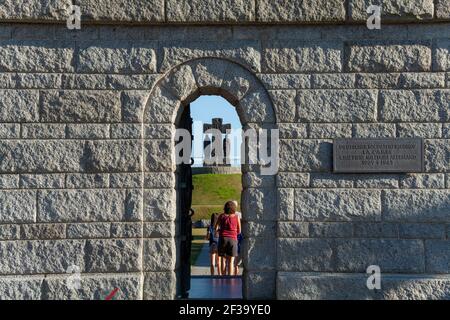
(219, 265)
(230, 266)
(224, 265)
(212, 263)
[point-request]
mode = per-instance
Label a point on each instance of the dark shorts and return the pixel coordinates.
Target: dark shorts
(228, 247)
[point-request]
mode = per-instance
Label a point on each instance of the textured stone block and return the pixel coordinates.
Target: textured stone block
(437, 157)
(317, 155)
(330, 230)
(284, 104)
(442, 55)
(43, 131)
(210, 11)
(9, 131)
(159, 229)
(113, 156)
(256, 257)
(19, 105)
(333, 81)
(421, 130)
(258, 108)
(388, 57)
(40, 156)
(376, 230)
(255, 180)
(437, 256)
(422, 80)
(159, 108)
(416, 205)
(80, 106)
(36, 56)
(317, 255)
(42, 231)
(87, 131)
(337, 205)
(259, 285)
(328, 286)
(88, 230)
(158, 131)
(293, 230)
(126, 230)
(113, 255)
(133, 103)
(294, 56)
(76, 180)
(42, 181)
(9, 232)
(125, 180)
(337, 105)
(159, 255)
(159, 285)
(422, 181)
(292, 180)
(259, 204)
(21, 287)
(9, 181)
(260, 229)
(285, 203)
(158, 155)
(293, 130)
(93, 287)
(374, 130)
(17, 206)
(376, 181)
(410, 105)
(159, 180)
(391, 255)
(246, 53)
(377, 80)
(329, 180)
(80, 205)
(126, 131)
(159, 205)
(442, 9)
(393, 10)
(330, 130)
(121, 10)
(422, 231)
(286, 81)
(117, 57)
(44, 256)
(301, 11)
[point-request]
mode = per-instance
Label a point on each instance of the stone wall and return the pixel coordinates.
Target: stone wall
(86, 153)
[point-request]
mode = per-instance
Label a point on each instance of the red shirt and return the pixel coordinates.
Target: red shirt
(228, 226)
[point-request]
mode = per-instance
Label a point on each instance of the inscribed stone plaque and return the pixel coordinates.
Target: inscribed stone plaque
(378, 155)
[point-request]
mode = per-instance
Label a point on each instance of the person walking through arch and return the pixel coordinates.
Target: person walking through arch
(229, 226)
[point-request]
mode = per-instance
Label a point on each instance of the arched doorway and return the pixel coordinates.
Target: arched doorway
(163, 114)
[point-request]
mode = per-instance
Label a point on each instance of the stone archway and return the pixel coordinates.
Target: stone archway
(176, 89)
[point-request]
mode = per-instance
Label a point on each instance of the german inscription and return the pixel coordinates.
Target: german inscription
(378, 155)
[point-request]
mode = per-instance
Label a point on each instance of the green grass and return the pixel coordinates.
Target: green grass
(211, 191)
(197, 243)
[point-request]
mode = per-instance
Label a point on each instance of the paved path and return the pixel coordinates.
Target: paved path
(203, 286)
(215, 288)
(201, 267)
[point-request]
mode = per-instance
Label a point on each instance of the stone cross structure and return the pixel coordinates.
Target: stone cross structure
(224, 144)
